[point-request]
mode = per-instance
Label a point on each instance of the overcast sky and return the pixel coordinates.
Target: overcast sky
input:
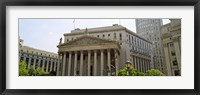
(44, 34)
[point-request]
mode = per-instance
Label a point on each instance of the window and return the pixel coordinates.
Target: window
(103, 35)
(175, 63)
(173, 53)
(108, 35)
(97, 35)
(120, 36)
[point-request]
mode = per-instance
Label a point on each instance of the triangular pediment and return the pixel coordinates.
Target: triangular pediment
(87, 40)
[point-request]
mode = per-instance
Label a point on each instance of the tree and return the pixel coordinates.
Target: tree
(39, 72)
(36, 72)
(154, 72)
(125, 70)
(23, 69)
(140, 74)
(134, 72)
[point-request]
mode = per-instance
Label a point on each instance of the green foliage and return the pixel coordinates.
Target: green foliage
(154, 72)
(36, 72)
(125, 71)
(40, 71)
(134, 72)
(23, 69)
(140, 74)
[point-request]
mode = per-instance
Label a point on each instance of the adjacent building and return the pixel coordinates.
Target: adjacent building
(103, 51)
(38, 58)
(150, 30)
(171, 39)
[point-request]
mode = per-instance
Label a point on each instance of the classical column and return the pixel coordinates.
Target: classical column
(29, 62)
(102, 62)
(58, 65)
(135, 62)
(108, 59)
(178, 53)
(89, 58)
(75, 63)
(167, 61)
(69, 64)
(47, 66)
(64, 63)
(141, 65)
(43, 63)
(148, 64)
(116, 63)
(24, 58)
(95, 63)
(81, 64)
(54, 66)
(39, 62)
(138, 64)
(34, 62)
(51, 65)
(144, 65)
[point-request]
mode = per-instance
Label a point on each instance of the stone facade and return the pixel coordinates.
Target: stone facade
(171, 39)
(150, 30)
(102, 51)
(38, 58)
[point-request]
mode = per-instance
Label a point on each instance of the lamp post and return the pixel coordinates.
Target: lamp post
(128, 65)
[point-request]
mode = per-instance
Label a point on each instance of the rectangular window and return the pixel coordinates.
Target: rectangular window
(175, 63)
(173, 53)
(120, 36)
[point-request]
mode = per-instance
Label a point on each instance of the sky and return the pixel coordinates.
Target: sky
(45, 34)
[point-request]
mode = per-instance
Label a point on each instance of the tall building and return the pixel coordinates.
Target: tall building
(171, 39)
(102, 51)
(150, 30)
(38, 58)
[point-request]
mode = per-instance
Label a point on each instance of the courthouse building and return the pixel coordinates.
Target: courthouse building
(102, 51)
(38, 58)
(171, 39)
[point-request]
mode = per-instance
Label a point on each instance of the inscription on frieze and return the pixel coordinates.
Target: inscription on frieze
(86, 41)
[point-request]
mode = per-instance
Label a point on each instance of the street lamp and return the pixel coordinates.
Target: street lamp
(128, 65)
